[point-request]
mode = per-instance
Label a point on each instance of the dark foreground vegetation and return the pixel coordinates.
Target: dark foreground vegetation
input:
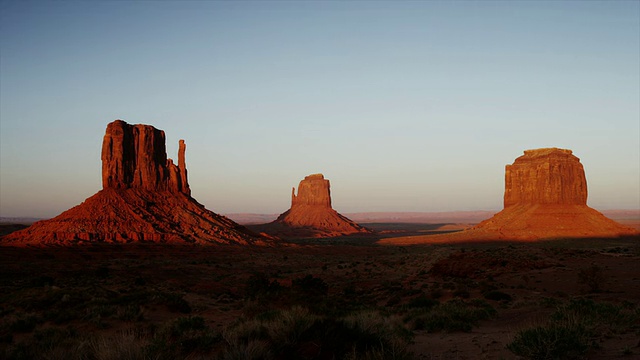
(552, 300)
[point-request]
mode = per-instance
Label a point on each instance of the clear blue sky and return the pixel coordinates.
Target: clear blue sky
(404, 106)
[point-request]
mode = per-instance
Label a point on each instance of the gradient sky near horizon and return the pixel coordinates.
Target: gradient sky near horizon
(404, 106)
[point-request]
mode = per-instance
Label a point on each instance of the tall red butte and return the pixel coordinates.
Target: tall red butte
(145, 197)
(311, 214)
(545, 197)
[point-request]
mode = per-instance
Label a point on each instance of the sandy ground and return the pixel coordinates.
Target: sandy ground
(537, 277)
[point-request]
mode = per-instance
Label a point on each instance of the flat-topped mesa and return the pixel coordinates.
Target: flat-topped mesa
(545, 197)
(135, 156)
(313, 190)
(545, 176)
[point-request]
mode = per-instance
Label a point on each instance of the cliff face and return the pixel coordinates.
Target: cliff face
(314, 190)
(311, 214)
(145, 198)
(545, 176)
(135, 156)
(545, 197)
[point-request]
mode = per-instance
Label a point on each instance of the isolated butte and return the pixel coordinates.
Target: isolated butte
(145, 198)
(545, 197)
(311, 214)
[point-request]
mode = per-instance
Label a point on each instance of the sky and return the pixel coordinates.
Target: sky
(403, 106)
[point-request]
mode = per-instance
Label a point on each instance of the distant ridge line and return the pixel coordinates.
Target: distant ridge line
(420, 216)
(375, 216)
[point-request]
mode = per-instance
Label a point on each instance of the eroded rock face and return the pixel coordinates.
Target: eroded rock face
(311, 214)
(313, 190)
(545, 176)
(135, 156)
(145, 198)
(545, 197)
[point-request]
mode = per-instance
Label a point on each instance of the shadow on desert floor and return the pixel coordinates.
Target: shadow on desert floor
(464, 301)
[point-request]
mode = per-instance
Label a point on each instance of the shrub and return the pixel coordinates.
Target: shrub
(58, 299)
(422, 302)
(102, 272)
(131, 312)
(252, 350)
(193, 335)
(436, 293)
(454, 315)
(283, 328)
(497, 296)
(176, 303)
(572, 329)
(243, 331)
(182, 338)
(184, 324)
(24, 324)
(50, 336)
(592, 277)
(596, 317)
(125, 345)
(289, 325)
(394, 300)
(297, 333)
(259, 285)
(462, 293)
(549, 302)
(310, 286)
(373, 332)
(50, 343)
(555, 341)
(456, 265)
(42, 281)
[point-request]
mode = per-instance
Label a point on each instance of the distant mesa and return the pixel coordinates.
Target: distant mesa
(311, 214)
(545, 197)
(145, 198)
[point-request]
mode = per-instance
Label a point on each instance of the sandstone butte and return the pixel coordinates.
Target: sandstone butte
(545, 197)
(311, 214)
(145, 197)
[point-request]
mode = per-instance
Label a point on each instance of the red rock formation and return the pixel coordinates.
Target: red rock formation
(183, 185)
(545, 197)
(145, 198)
(545, 176)
(314, 190)
(135, 156)
(311, 214)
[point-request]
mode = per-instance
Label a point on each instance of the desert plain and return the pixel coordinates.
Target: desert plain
(318, 298)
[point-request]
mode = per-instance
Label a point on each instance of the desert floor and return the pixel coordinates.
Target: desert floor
(462, 301)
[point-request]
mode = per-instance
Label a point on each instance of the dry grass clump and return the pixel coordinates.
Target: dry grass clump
(296, 332)
(451, 316)
(574, 328)
(252, 350)
(593, 277)
(125, 345)
(185, 337)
